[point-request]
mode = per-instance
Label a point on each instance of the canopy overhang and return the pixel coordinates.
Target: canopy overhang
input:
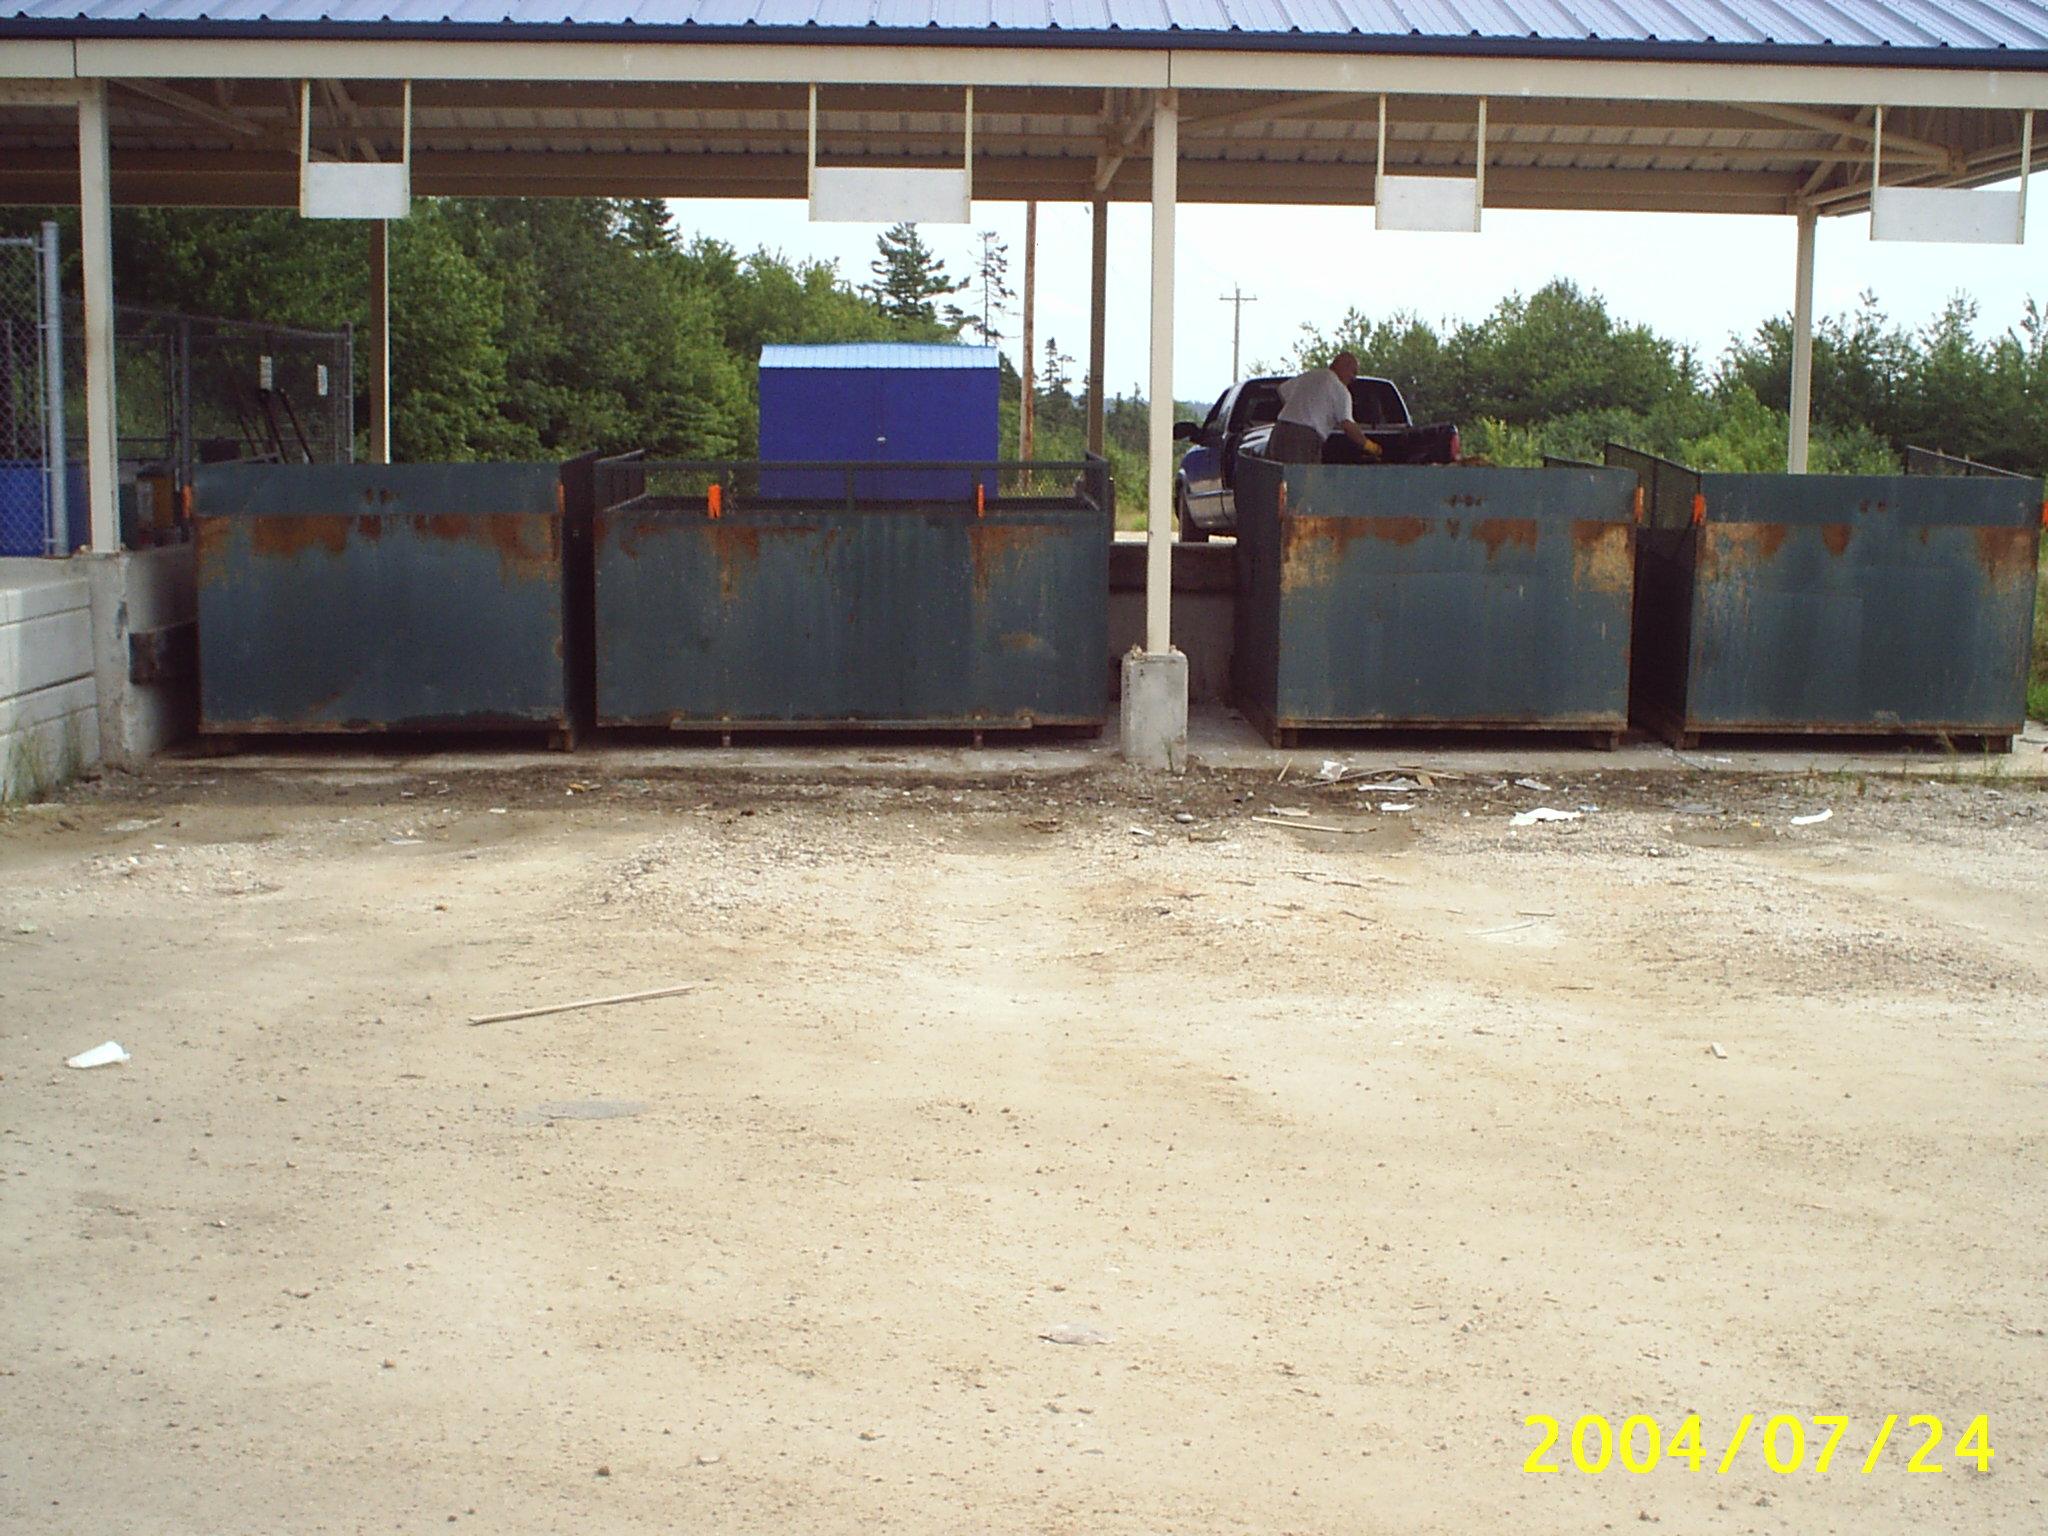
(197, 117)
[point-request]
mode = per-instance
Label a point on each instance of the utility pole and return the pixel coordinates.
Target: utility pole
(1237, 298)
(1027, 407)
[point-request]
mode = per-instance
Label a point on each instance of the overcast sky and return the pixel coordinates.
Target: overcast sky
(1693, 277)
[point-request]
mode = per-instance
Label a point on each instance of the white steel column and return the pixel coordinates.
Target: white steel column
(96, 250)
(1098, 316)
(1159, 434)
(1802, 347)
(380, 341)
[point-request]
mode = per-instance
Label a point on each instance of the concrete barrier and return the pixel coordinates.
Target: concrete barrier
(49, 721)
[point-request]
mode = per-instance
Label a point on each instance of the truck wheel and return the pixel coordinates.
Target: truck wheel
(1189, 533)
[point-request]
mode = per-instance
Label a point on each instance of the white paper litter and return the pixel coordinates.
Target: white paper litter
(1396, 805)
(1331, 771)
(1540, 813)
(106, 1055)
(1286, 810)
(1814, 820)
(1530, 784)
(1390, 787)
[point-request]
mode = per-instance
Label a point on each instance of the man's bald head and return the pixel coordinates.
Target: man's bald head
(1345, 366)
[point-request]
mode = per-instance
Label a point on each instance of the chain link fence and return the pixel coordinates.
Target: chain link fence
(188, 389)
(194, 390)
(24, 404)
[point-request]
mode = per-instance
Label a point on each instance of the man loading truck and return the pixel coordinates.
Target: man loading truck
(1314, 405)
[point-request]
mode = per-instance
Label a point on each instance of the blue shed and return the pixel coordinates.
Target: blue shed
(888, 402)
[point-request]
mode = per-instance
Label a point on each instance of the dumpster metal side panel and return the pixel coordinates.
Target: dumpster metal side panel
(367, 597)
(875, 616)
(1436, 596)
(1877, 624)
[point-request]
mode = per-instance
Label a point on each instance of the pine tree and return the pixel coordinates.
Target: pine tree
(909, 277)
(645, 223)
(991, 276)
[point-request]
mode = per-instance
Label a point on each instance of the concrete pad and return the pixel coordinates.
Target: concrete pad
(1218, 738)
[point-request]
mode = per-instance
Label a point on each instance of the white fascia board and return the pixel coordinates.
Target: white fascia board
(1143, 69)
(35, 59)
(697, 63)
(1609, 80)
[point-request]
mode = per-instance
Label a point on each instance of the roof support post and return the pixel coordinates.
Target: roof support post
(1154, 709)
(1098, 315)
(1159, 433)
(96, 251)
(1802, 346)
(379, 338)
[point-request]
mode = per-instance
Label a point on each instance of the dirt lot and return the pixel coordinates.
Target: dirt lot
(1340, 1153)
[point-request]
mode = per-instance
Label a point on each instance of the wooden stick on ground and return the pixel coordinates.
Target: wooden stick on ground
(587, 1002)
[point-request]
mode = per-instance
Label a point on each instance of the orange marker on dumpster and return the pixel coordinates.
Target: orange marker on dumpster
(1699, 508)
(714, 500)
(980, 499)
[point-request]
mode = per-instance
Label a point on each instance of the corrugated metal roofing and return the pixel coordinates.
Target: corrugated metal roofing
(879, 354)
(1718, 27)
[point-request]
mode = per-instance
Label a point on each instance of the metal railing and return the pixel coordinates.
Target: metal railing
(716, 487)
(1925, 461)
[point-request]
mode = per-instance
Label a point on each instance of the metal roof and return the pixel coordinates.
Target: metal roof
(879, 354)
(1900, 30)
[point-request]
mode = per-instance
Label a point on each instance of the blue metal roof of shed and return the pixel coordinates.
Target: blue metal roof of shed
(1722, 28)
(879, 354)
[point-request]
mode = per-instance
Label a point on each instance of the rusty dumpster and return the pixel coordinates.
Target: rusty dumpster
(1853, 604)
(356, 597)
(726, 600)
(1438, 597)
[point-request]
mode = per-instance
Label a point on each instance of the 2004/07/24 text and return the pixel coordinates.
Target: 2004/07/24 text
(1639, 1444)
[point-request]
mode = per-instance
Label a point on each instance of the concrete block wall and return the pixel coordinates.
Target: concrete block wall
(49, 693)
(1204, 611)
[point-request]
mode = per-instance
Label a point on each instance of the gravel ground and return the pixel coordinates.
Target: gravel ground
(1083, 1153)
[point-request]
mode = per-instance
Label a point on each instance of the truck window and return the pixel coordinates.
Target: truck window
(1377, 403)
(1258, 403)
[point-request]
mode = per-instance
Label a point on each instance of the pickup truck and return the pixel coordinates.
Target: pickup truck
(1204, 499)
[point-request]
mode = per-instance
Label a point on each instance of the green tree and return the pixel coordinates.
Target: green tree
(991, 282)
(909, 278)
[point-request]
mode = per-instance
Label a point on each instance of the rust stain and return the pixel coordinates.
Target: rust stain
(1314, 547)
(528, 544)
(1021, 640)
(1000, 548)
(370, 529)
(211, 537)
(1734, 547)
(285, 536)
(1309, 557)
(1836, 537)
(1603, 557)
(736, 548)
(626, 532)
(2008, 557)
(1494, 532)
